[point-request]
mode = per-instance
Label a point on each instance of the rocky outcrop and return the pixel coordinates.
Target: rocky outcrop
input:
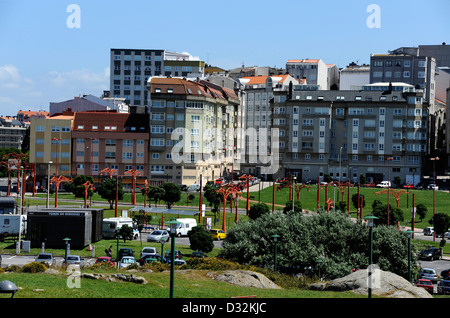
(245, 279)
(384, 284)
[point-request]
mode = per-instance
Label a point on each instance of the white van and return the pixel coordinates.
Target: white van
(384, 184)
(184, 226)
(11, 224)
(111, 225)
(194, 187)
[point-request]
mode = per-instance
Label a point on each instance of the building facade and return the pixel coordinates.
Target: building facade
(345, 134)
(111, 140)
(315, 71)
(192, 130)
(131, 68)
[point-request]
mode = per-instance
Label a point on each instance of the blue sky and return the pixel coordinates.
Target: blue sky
(42, 60)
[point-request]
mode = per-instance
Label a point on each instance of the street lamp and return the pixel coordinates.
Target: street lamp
(408, 233)
(8, 287)
(48, 182)
(67, 241)
(370, 218)
(275, 239)
(434, 192)
(173, 229)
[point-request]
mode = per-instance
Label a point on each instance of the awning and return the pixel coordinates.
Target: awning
(165, 211)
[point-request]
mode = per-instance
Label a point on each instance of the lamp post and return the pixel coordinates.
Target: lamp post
(370, 218)
(8, 287)
(275, 239)
(48, 182)
(434, 192)
(389, 186)
(67, 242)
(173, 229)
(293, 195)
(319, 261)
(408, 233)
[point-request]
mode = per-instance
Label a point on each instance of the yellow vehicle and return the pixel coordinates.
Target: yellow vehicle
(217, 234)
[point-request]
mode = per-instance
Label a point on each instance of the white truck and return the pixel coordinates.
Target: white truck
(111, 225)
(184, 226)
(12, 224)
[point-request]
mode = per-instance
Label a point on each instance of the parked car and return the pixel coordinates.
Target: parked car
(384, 184)
(126, 261)
(73, 259)
(177, 262)
(428, 231)
(198, 254)
(183, 187)
(427, 284)
(217, 234)
(194, 187)
(148, 251)
(443, 287)
(219, 181)
(433, 186)
(445, 274)
(431, 254)
(428, 273)
(408, 186)
(45, 257)
(168, 255)
(157, 235)
(105, 259)
(282, 180)
(125, 251)
(370, 185)
(149, 258)
(447, 235)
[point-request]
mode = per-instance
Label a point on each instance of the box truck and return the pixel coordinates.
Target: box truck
(111, 225)
(184, 226)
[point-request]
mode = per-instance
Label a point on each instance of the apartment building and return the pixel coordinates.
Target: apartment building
(354, 76)
(411, 69)
(192, 130)
(258, 93)
(315, 71)
(12, 132)
(131, 69)
(88, 103)
(379, 133)
(51, 145)
(112, 140)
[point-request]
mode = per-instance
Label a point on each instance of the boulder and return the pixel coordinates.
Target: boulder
(384, 284)
(246, 279)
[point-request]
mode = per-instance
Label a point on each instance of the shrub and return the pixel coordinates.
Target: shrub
(34, 267)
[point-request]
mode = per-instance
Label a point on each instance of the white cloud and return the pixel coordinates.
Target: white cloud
(19, 92)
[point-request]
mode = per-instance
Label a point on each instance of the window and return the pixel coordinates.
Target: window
(157, 129)
(127, 155)
(110, 155)
(110, 142)
(157, 142)
(195, 118)
(128, 143)
(56, 128)
(155, 155)
(407, 74)
(158, 116)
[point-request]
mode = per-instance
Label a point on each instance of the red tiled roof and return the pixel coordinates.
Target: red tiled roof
(255, 80)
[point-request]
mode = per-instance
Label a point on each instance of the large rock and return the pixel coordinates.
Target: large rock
(384, 284)
(246, 279)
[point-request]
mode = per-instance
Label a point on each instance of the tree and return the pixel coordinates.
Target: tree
(107, 190)
(288, 207)
(355, 200)
(77, 187)
(332, 237)
(140, 219)
(441, 223)
(362, 179)
(126, 233)
(397, 181)
(380, 210)
(156, 193)
(421, 211)
(200, 239)
(258, 209)
(172, 193)
(214, 198)
(341, 206)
